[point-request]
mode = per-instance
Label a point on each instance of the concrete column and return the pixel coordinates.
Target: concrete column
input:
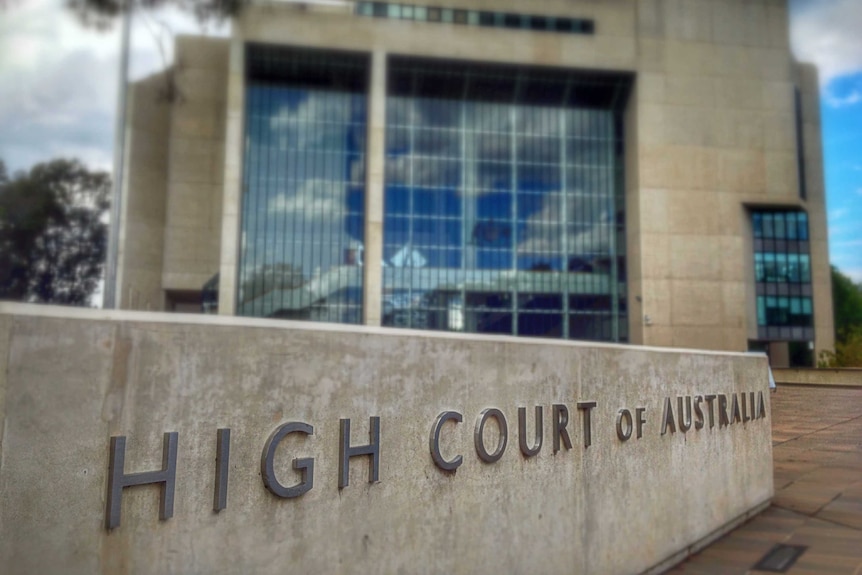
(140, 249)
(634, 235)
(232, 197)
(374, 181)
(119, 296)
(779, 354)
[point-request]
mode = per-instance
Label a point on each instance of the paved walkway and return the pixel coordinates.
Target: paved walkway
(817, 449)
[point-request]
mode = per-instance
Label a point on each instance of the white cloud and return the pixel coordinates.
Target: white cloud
(854, 274)
(59, 79)
(486, 144)
(313, 123)
(826, 32)
(543, 234)
(313, 199)
(850, 99)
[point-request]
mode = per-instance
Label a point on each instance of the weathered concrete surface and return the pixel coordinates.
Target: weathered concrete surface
(848, 377)
(74, 378)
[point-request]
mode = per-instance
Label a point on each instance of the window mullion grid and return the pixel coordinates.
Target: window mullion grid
(565, 274)
(247, 239)
(610, 201)
(281, 187)
(468, 178)
(252, 240)
(263, 197)
(513, 252)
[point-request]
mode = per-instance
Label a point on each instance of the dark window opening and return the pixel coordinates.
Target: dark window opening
(800, 145)
(782, 272)
(512, 20)
(463, 17)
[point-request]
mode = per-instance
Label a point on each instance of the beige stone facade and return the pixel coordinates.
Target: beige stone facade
(711, 134)
(173, 194)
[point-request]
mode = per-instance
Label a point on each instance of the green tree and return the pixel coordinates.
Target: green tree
(102, 13)
(847, 303)
(271, 277)
(52, 233)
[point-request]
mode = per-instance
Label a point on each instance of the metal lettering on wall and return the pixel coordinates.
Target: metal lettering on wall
(680, 415)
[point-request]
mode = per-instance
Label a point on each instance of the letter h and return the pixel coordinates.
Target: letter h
(346, 452)
(118, 479)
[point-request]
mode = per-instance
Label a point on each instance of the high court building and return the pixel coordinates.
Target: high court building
(411, 181)
(642, 171)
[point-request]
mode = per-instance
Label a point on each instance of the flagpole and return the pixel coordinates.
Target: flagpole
(110, 299)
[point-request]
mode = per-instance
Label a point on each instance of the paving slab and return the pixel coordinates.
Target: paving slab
(817, 451)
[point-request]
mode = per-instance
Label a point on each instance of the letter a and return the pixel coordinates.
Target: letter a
(667, 420)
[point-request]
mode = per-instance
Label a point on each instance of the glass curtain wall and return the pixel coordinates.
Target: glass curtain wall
(301, 251)
(504, 201)
(782, 269)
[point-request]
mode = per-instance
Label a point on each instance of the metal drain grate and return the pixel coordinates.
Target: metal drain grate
(780, 558)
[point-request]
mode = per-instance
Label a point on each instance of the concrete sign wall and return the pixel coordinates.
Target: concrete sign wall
(144, 443)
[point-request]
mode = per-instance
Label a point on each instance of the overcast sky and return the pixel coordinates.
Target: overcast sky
(58, 84)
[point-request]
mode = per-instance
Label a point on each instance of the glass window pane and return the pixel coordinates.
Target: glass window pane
(770, 268)
(803, 226)
(781, 267)
(564, 25)
(303, 208)
(792, 226)
(540, 325)
(804, 268)
(784, 265)
(768, 226)
(793, 272)
(481, 197)
(795, 305)
(780, 227)
(538, 22)
(512, 20)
